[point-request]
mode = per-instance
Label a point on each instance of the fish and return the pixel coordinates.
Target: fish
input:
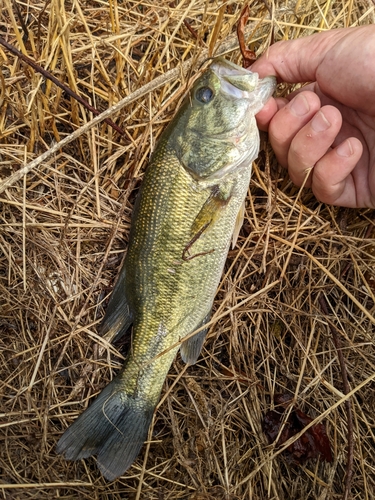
(182, 224)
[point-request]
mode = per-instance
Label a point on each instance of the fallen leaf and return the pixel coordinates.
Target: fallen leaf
(312, 444)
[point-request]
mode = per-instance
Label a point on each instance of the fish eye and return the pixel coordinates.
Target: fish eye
(204, 94)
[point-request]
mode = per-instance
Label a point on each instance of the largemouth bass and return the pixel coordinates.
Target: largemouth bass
(181, 230)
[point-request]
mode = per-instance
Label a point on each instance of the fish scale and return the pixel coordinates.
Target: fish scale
(182, 225)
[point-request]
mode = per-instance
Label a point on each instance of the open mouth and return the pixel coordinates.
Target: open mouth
(241, 83)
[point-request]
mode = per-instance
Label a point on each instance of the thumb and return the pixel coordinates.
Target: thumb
(296, 61)
(341, 61)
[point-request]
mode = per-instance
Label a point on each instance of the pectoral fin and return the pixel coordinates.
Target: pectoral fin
(191, 348)
(118, 317)
(210, 211)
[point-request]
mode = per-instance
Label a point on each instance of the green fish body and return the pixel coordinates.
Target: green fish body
(181, 230)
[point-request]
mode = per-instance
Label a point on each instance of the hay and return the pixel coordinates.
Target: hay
(64, 228)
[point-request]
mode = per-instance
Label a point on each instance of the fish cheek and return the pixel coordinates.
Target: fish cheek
(202, 157)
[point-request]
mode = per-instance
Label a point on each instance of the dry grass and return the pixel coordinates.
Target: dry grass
(64, 228)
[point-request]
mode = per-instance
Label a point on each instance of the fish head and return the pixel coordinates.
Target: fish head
(215, 131)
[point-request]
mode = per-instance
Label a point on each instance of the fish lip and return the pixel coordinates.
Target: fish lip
(242, 83)
(222, 68)
(235, 81)
(266, 87)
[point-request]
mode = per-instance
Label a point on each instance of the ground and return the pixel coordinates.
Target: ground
(300, 276)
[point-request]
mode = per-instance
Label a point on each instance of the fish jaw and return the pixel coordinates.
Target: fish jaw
(266, 87)
(242, 83)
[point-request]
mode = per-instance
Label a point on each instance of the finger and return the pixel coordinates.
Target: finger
(311, 143)
(332, 181)
(314, 87)
(289, 120)
(268, 111)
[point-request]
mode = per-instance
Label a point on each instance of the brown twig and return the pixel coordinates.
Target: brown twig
(185, 254)
(189, 27)
(192, 30)
(21, 20)
(57, 82)
(268, 7)
(39, 30)
(348, 267)
(346, 390)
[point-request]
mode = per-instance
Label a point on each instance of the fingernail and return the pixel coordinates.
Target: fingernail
(345, 149)
(320, 123)
(299, 105)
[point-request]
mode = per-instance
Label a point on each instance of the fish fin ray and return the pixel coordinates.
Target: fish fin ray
(118, 316)
(114, 427)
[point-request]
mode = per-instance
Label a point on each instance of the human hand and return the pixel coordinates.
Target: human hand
(329, 124)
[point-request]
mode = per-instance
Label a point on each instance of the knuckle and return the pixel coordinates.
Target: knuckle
(299, 157)
(278, 129)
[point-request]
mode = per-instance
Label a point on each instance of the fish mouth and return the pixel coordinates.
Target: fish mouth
(242, 83)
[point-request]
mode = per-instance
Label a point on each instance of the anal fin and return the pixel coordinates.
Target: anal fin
(118, 317)
(239, 222)
(191, 348)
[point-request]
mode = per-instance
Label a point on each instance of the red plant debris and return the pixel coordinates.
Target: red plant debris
(248, 55)
(312, 444)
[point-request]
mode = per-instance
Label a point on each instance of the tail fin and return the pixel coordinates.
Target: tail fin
(114, 427)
